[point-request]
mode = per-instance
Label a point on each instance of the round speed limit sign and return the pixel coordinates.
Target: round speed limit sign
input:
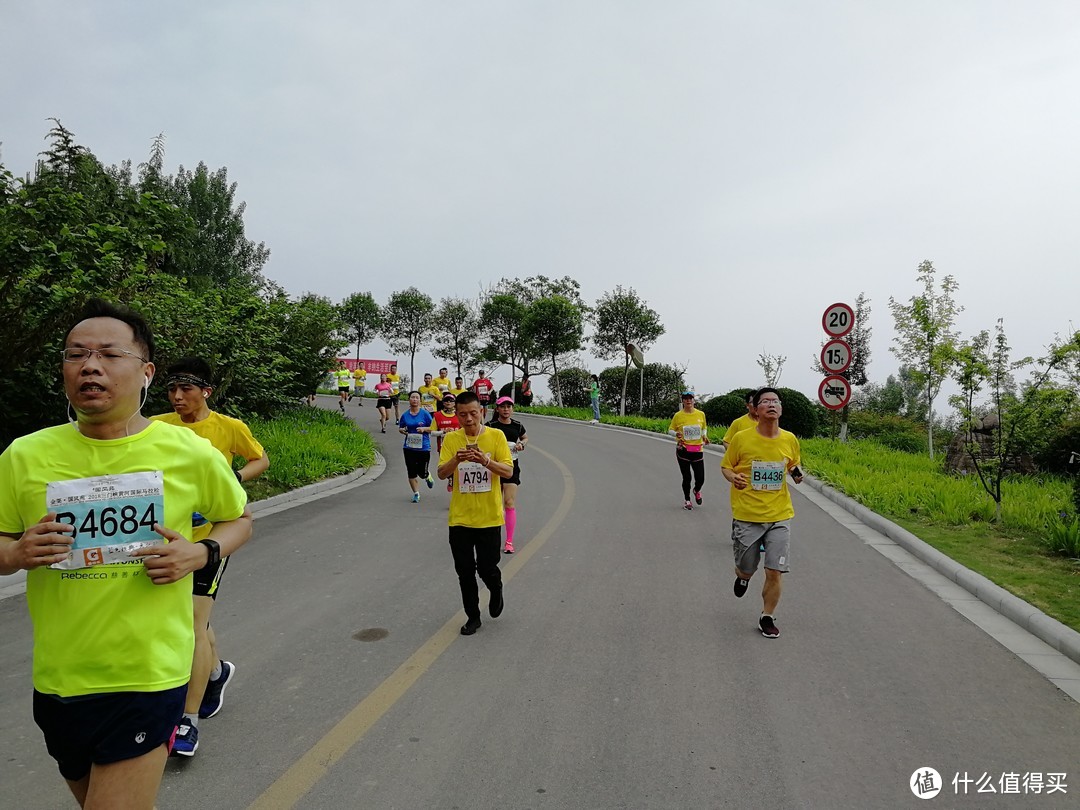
(838, 320)
(834, 392)
(835, 356)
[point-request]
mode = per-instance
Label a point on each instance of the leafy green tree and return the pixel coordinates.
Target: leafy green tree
(408, 322)
(502, 322)
(621, 318)
(213, 248)
(360, 314)
(455, 333)
(1018, 423)
(503, 310)
(885, 399)
(925, 337)
(554, 326)
(573, 382)
(663, 384)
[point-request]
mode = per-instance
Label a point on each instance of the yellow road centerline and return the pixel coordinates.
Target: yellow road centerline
(289, 788)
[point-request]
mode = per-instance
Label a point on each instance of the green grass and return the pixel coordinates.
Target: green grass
(1032, 553)
(306, 445)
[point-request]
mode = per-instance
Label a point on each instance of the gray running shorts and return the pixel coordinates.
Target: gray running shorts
(746, 540)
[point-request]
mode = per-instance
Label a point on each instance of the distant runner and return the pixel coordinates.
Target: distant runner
(415, 425)
(344, 383)
(446, 421)
(483, 387)
(359, 382)
(744, 422)
(395, 380)
(516, 438)
(691, 436)
(384, 390)
(430, 395)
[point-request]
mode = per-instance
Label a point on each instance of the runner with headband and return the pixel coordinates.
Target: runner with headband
(691, 435)
(189, 385)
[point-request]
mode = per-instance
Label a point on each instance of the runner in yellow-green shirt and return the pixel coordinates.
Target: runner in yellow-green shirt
(189, 383)
(474, 457)
(98, 512)
(757, 463)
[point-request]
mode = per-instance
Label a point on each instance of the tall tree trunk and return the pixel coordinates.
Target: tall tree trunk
(555, 376)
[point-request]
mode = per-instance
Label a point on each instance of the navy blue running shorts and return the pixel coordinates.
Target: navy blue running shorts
(110, 727)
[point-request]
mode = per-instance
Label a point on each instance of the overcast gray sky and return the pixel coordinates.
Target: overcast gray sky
(740, 164)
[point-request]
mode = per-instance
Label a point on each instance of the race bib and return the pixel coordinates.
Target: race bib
(767, 475)
(414, 441)
(473, 478)
(113, 515)
(691, 434)
(483, 390)
(513, 454)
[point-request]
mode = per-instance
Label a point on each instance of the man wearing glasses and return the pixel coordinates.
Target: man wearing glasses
(99, 512)
(756, 464)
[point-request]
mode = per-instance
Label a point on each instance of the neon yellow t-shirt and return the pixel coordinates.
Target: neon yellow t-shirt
(107, 628)
(692, 439)
(344, 377)
(765, 463)
(430, 396)
(744, 422)
(442, 381)
(481, 509)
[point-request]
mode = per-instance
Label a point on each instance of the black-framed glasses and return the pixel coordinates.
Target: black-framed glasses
(105, 355)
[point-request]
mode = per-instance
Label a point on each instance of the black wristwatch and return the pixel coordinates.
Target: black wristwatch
(239, 478)
(215, 552)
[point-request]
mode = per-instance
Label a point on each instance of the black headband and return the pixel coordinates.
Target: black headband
(186, 379)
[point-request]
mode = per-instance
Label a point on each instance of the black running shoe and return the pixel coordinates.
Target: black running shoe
(768, 627)
(740, 586)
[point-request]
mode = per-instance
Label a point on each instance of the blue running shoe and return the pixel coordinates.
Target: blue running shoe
(186, 742)
(213, 698)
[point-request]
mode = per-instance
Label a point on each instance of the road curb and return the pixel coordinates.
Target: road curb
(13, 584)
(1059, 636)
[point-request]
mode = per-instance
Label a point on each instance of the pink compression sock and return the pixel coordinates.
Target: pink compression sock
(511, 524)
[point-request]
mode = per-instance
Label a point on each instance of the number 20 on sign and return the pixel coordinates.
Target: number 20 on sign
(838, 320)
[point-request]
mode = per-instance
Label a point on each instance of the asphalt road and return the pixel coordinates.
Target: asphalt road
(623, 674)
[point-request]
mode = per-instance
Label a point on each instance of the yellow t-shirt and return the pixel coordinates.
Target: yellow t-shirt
(457, 392)
(230, 437)
(395, 381)
(430, 396)
(107, 628)
(477, 510)
(360, 376)
(765, 463)
(693, 440)
(744, 422)
(442, 381)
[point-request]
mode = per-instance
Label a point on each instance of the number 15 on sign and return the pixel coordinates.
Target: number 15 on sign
(835, 356)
